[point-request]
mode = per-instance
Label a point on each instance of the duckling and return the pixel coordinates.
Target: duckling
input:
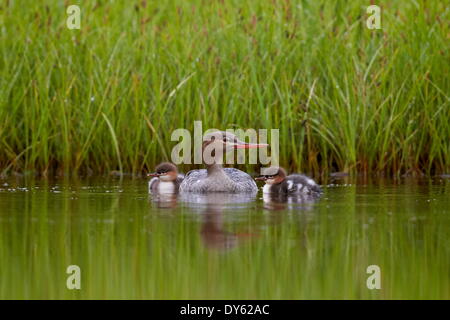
(281, 183)
(166, 179)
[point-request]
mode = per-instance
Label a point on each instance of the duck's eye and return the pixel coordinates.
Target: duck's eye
(225, 139)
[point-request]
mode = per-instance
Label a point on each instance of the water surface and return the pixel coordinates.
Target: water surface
(130, 245)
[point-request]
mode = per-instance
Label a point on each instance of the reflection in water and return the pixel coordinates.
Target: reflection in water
(212, 207)
(134, 250)
(229, 200)
(165, 201)
(276, 201)
(212, 232)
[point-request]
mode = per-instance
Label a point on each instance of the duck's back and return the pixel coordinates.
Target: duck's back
(238, 181)
(240, 177)
(299, 183)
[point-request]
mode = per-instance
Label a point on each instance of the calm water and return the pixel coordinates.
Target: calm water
(132, 245)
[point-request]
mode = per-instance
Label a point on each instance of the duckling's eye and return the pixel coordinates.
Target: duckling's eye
(225, 139)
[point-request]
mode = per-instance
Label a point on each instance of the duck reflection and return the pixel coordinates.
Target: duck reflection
(279, 202)
(213, 208)
(212, 232)
(165, 200)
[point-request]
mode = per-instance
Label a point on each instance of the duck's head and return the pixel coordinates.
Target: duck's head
(278, 175)
(165, 171)
(217, 143)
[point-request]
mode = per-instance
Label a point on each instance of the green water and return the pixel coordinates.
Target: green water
(130, 245)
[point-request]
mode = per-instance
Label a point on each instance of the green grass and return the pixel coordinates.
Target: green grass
(105, 97)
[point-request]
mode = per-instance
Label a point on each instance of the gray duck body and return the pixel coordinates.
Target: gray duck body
(218, 180)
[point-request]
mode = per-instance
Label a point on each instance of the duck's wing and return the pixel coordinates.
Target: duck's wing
(302, 183)
(191, 178)
(196, 174)
(242, 179)
(237, 175)
(242, 182)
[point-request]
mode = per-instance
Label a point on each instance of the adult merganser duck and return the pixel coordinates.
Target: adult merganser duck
(215, 178)
(166, 179)
(279, 182)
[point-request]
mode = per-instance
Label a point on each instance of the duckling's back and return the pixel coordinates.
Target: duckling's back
(299, 183)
